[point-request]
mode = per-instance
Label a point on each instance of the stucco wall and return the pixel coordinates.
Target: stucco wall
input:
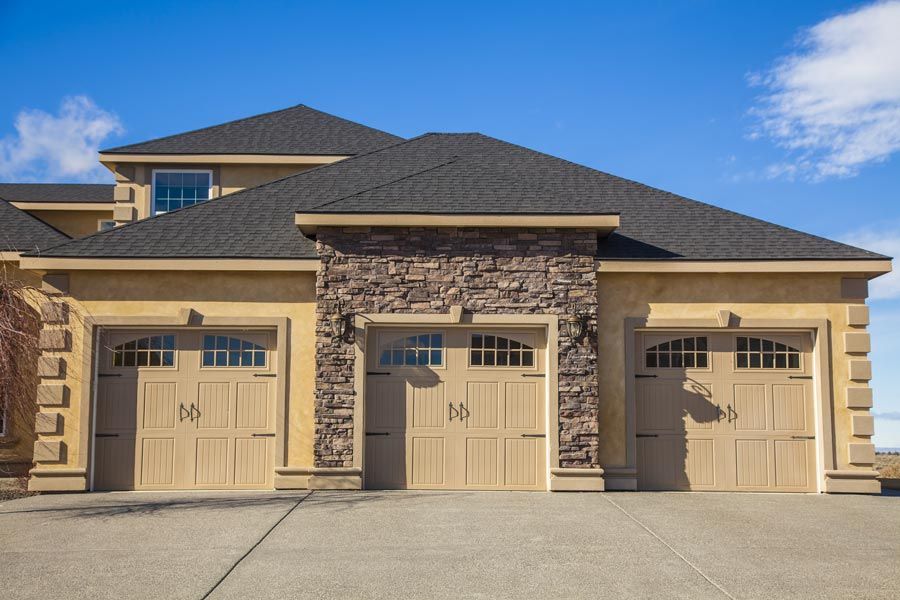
(163, 294)
(75, 223)
(699, 296)
(134, 182)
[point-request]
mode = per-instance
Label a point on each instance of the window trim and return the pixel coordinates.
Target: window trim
(153, 173)
(505, 334)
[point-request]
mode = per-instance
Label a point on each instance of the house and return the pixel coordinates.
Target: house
(297, 301)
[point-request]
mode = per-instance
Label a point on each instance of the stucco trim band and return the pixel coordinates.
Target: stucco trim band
(92, 206)
(310, 222)
(871, 268)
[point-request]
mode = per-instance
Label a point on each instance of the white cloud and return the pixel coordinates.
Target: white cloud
(61, 147)
(885, 242)
(834, 103)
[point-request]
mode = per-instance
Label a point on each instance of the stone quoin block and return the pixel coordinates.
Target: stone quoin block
(859, 397)
(47, 423)
(53, 339)
(55, 313)
(50, 366)
(858, 315)
(51, 394)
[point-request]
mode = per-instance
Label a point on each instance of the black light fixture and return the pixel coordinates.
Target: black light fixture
(338, 322)
(574, 326)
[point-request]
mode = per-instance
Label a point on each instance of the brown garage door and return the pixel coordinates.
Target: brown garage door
(185, 409)
(725, 411)
(456, 409)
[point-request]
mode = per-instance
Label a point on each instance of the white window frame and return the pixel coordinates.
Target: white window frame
(153, 173)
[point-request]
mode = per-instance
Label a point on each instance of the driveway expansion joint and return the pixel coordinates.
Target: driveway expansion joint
(670, 547)
(254, 546)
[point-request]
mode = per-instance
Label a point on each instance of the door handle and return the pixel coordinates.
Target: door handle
(452, 409)
(719, 413)
(461, 409)
(732, 414)
(181, 411)
(194, 409)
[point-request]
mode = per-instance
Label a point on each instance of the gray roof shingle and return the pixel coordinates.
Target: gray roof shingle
(457, 173)
(298, 130)
(57, 192)
(21, 232)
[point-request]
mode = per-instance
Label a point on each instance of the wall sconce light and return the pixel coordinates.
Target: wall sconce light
(338, 323)
(574, 326)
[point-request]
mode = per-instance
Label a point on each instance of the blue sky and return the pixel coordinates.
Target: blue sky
(785, 111)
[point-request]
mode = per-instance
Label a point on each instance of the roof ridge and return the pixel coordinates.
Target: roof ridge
(232, 121)
(387, 183)
(118, 149)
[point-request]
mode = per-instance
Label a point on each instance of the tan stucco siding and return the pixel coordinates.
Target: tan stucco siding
(135, 183)
(234, 178)
(101, 295)
(75, 223)
(700, 296)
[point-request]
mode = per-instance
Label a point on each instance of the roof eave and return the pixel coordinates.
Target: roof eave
(108, 158)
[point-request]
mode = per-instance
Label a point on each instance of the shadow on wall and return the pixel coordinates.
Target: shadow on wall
(670, 407)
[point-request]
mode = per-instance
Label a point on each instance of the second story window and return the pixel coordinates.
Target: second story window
(176, 189)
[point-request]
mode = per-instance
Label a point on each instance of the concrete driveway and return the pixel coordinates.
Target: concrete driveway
(449, 545)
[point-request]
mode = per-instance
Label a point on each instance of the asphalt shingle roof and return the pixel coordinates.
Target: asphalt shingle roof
(57, 192)
(297, 130)
(457, 173)
(21, 232)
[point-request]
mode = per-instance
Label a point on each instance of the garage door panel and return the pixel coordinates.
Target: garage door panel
(792, 463)
(751, 463)
(661, 463)
(251, 461)
(482, 461)
(520, 461)
(117, 405)
(386, 404)
(789, 407)
(158, 461)
(429, 409)
(159, 405)
(750, 407)
(700, 463)
(213, 405)
(386, 462)
(114, 463)
(211, 461)
(483, 405)
(521, 406)
(253, 405)
(429, 465)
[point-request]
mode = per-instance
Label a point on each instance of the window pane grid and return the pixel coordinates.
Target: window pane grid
(225, 351)
(498, 351)
(172, 190)
(683, 353)
(152, 351)
(760, 353)
(421, 350)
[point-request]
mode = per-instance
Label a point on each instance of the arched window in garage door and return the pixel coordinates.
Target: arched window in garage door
(682, 353)
(762, 353)
(225, 351)
(150, 351)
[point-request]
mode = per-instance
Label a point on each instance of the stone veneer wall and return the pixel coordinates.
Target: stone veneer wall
(486, 271)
